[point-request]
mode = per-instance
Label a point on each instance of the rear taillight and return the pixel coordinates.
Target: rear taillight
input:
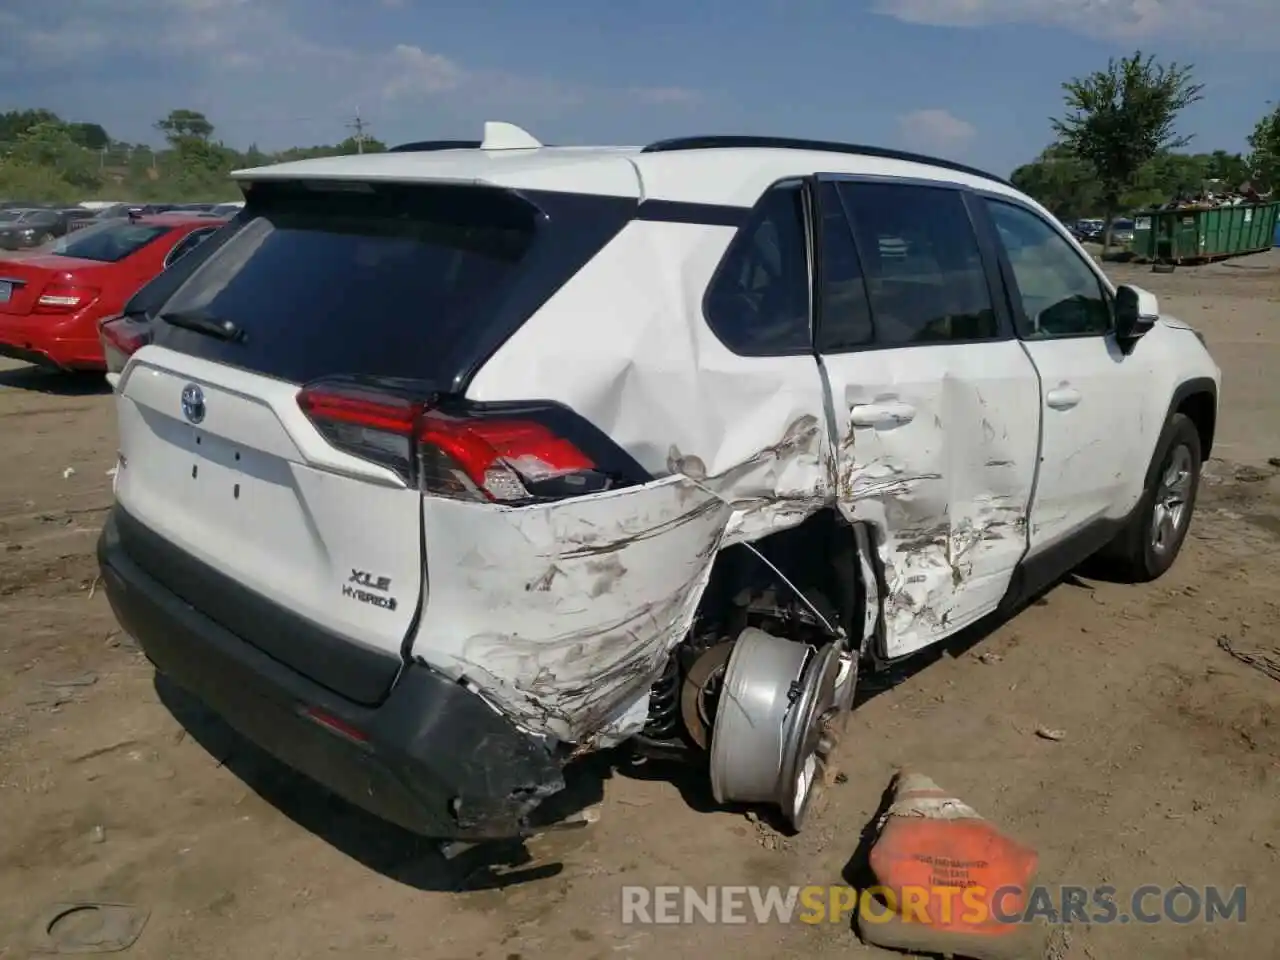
(468, 457)
(65, 298)
(121, 338)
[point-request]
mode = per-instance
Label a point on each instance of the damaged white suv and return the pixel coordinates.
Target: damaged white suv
(441, 467)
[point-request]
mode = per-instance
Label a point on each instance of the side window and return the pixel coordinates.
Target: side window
(758, 302)
(186, 245)
(1061, 296)
(922, 264)
(845, 317)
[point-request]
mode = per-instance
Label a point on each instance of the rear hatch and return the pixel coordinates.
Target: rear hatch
(254, 510)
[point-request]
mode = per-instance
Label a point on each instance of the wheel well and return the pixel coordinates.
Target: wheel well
(819, 558)
(1202, 410)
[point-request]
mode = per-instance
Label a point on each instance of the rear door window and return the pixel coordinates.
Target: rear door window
(921, 262)
(378, 280)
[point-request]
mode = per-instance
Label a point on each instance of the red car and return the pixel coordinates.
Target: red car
(53, 298)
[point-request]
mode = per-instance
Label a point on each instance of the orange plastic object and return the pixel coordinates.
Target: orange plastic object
(941, 866)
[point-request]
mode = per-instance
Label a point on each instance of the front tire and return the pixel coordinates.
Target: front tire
(1153, 537)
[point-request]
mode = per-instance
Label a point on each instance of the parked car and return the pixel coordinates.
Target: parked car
(441, 467)
(24, 229)
(227, 210)
(1122, 232)
(52, 299)
(112, 211)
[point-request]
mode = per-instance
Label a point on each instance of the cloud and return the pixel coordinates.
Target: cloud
(262, 75)
(935, 131)
(415, 71)
(1127, 20)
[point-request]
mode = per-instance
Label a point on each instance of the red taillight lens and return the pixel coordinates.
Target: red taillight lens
(65, 298)
(465, 457)
(121, 338)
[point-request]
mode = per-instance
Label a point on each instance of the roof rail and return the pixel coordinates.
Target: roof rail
(423, 146)
(826, 146)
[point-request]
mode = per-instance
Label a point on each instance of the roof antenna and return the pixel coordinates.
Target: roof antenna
(507, 136)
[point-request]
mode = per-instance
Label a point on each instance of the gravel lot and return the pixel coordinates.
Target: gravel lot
(114, 790)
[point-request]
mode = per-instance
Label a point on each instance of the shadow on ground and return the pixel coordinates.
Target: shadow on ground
(55, 382)
(387, 849)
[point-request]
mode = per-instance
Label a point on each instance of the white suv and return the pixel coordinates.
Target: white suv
(441, 467)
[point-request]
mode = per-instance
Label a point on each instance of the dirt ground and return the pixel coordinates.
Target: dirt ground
(113, 790)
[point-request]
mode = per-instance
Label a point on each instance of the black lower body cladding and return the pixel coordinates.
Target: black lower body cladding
(433, 758)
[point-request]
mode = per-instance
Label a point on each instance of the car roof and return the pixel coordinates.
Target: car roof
(729, 171)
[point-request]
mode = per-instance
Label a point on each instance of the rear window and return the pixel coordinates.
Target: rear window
(388, 280)
(109, 242)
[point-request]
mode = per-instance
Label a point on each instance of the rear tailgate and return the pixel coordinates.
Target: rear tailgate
(242, 506)
(278, 535)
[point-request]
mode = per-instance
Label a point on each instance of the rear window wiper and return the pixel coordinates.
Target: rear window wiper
(203, 322)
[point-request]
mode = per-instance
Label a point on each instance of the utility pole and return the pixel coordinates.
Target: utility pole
(359, 125)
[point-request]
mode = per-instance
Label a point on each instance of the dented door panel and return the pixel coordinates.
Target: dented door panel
(562, 615)
(944, 480)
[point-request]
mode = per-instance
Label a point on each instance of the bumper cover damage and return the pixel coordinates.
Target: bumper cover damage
(433, 758)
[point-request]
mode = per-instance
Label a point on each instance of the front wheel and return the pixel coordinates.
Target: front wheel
(1153, 537)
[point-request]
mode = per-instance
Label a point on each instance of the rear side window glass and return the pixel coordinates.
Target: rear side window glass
(845, 318)
(758, 302)
(108, 242)
(922, 264)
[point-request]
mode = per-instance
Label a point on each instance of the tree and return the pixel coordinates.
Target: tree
(1264, 144)
(1063, 184)
(91, 136)
(15, 123)
(185, 125)
(1120, 118)
(49, 144)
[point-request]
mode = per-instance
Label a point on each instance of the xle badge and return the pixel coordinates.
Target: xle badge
(361, 585)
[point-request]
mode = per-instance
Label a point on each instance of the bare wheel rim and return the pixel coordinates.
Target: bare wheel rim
(1172, 503)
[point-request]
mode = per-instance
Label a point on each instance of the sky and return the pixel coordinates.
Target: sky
(973, 80)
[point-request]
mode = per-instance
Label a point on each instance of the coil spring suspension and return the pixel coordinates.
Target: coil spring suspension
(664, 704)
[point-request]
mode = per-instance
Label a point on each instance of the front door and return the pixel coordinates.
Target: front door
(933, 402)
(1062, 312)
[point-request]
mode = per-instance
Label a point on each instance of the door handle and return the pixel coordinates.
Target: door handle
(1062, 397)
(884, 413)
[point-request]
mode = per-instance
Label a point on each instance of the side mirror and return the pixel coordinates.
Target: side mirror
(1137, 311)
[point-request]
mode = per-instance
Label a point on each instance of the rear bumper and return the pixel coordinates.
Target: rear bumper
(433, 758)
(69, 343)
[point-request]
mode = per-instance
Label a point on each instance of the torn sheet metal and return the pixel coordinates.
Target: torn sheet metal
(563, 614)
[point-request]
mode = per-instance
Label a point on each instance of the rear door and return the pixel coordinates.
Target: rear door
(311, 553)
(934, 402)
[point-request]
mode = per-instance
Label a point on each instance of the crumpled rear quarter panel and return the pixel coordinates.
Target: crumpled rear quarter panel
(563, 614)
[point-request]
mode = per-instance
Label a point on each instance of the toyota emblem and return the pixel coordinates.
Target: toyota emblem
(193, 403)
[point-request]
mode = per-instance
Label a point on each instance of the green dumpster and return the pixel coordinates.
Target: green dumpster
(1198, 234)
